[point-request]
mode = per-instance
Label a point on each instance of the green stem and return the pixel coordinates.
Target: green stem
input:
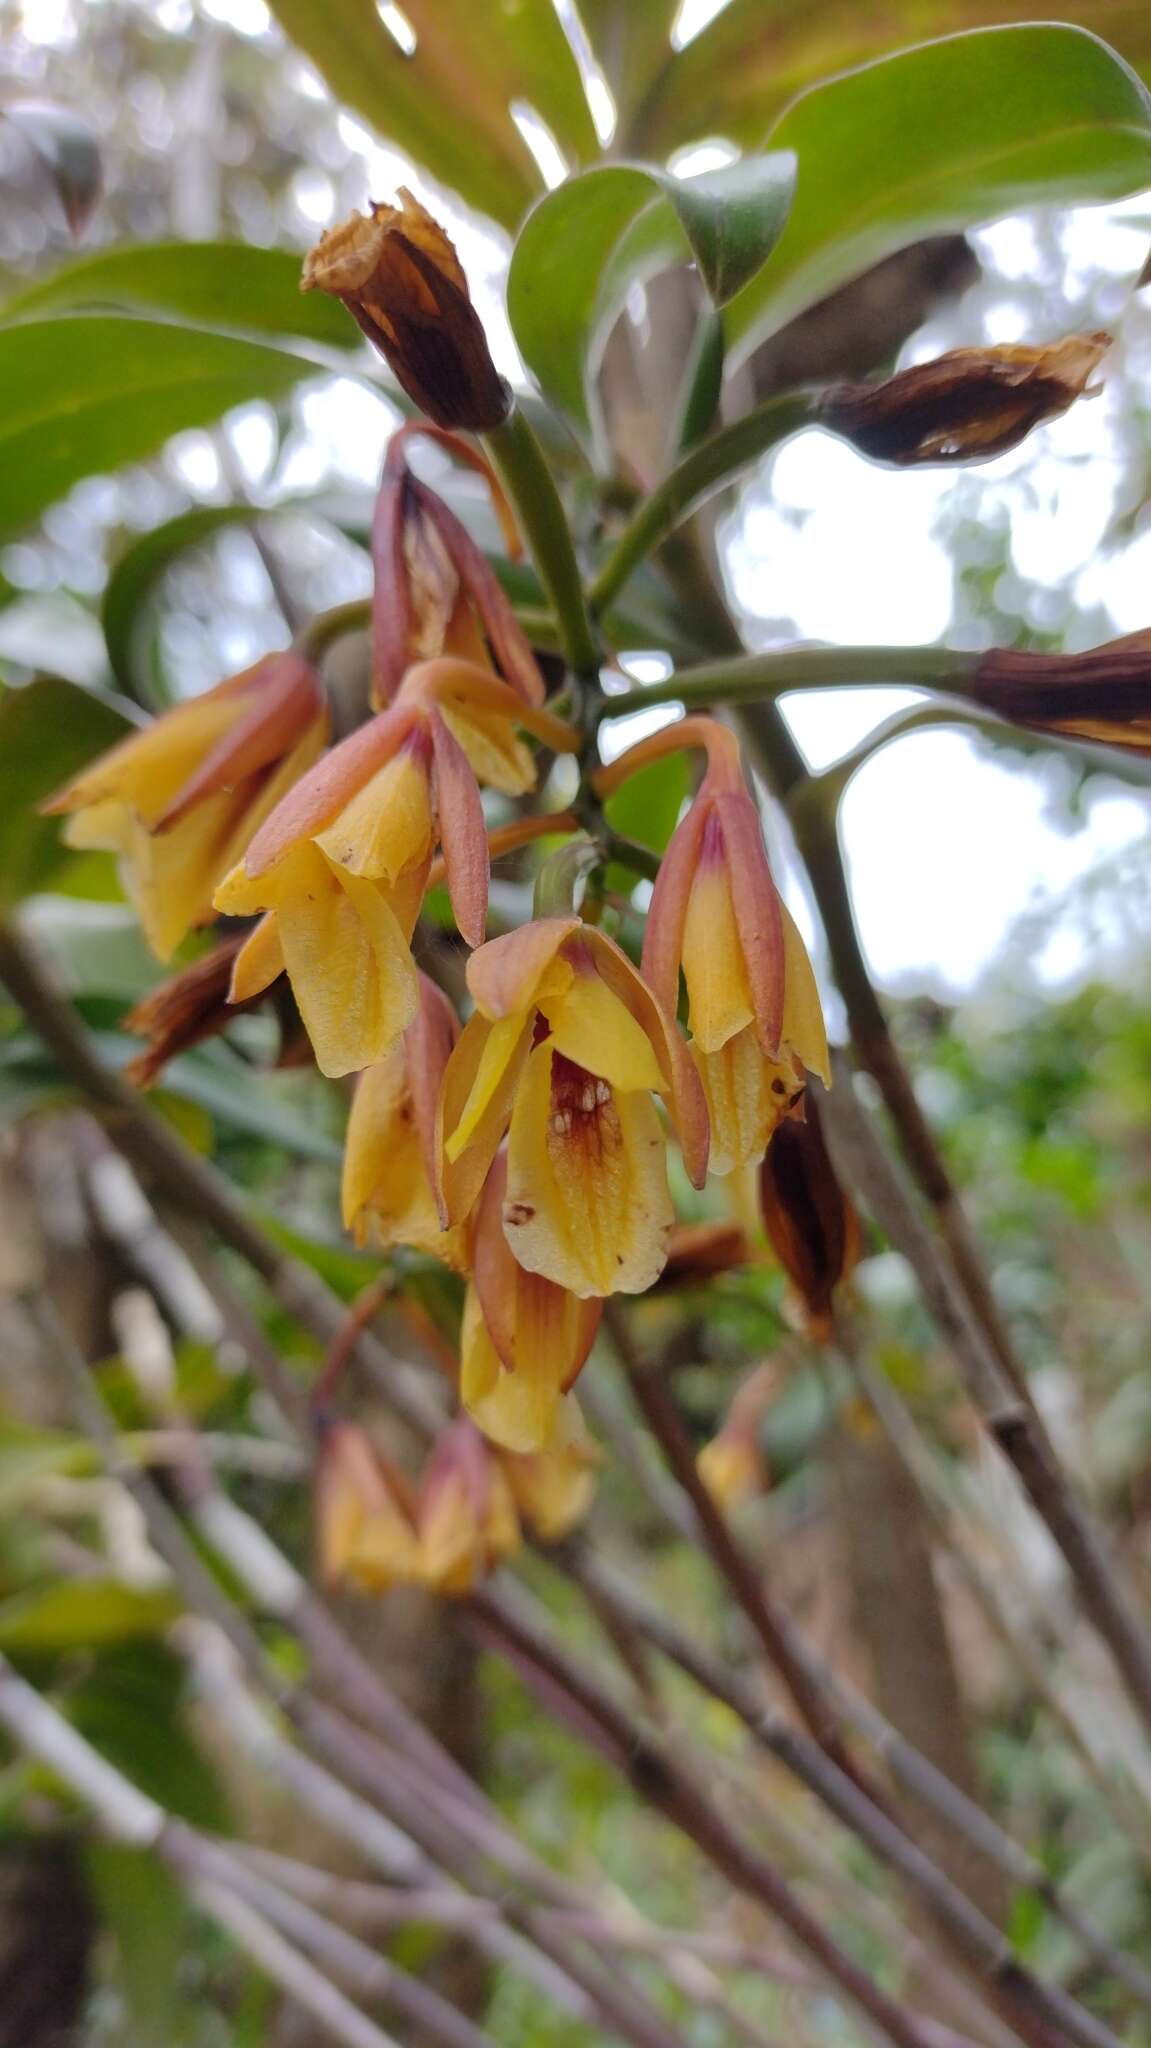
(754, 678)
(530, 485)
(713, 463)
(318, 633)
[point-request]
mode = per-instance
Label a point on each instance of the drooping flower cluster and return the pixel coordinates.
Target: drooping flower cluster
(527, 1146)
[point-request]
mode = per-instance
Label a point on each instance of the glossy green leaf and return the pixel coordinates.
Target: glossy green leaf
(81, 1614)
(943, 137)
(449, 102)
(632, 45)
(83, 395)
(67, 149)
(48, 730)
(589, 241)
(738, 74)
(213, 284)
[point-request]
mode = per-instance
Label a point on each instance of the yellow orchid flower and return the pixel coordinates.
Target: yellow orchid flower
(553, 1489)
(564, 1053)
(466, 1515)
(365, 1509)
(523, 1340)
(753, 1006)
(179, 801)
(343, 863)
(389, 1151)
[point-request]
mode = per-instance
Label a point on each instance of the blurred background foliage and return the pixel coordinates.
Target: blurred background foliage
(212, 124)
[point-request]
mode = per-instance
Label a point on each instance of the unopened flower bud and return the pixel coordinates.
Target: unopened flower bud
(967, 405)
(1102, 695)
(810, 1222)
(401, 280)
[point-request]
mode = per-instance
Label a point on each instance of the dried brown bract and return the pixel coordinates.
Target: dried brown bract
(967, 405)
(1103, 695)
(400, 279)
(184, 1011)
(809, 1220)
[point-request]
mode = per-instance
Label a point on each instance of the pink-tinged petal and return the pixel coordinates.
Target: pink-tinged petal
(696, 730)
(667, 912)
(534, 1326)
(259, 962)
(147, 770)
(428, 1044)
(463, 833)
(286, 697)
(719, 998)
(587, 1202)
(758, 913)
(506, 636)
(392, 614)
(503, 976)
(472, 458)
(331, 784)
(683, 1093)
(458, 1179)
(449, 680)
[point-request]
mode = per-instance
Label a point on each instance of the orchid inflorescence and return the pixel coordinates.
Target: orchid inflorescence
(526, 1146)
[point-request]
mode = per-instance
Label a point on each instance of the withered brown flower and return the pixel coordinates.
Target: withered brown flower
(1102, 695)
(809, 1219)
(967, 405)
(401, 280)
(184, 1011)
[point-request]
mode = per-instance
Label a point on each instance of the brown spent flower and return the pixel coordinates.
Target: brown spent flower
(184, 1010)
(967, 405)
(810, 1223)
(400, 279)
(1102, 696)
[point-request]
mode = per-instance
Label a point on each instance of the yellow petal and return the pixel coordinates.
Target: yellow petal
(553, 1488)
(387, 825)
(804, 1031)
(591, 1026)
(147, 771)
(517, 1410)
(347, 960)
(719, 995)
(587, 1200)
(259, 961)
(500, 1043)
(495, 751)
(747, 1095)
(170, 876)
(386, 1195)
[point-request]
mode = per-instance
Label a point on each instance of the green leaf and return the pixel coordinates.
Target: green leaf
(213, 284)
(943, 137)
(68, 151)
(81, 1614)
(132, 1708)
(84, 395)
(48, 730)
(647, 806)
(29, 1456)
(143, 1908)
(588, 242)
(448, 103)
(631, 45)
